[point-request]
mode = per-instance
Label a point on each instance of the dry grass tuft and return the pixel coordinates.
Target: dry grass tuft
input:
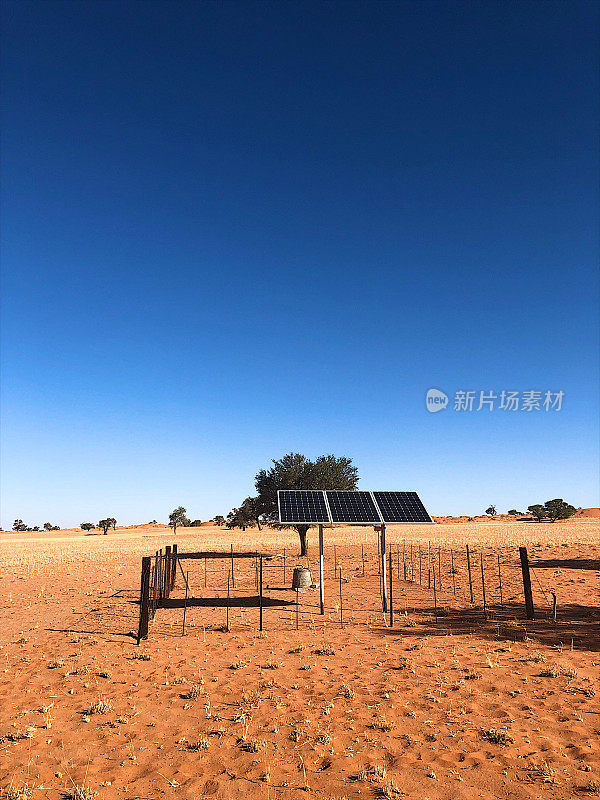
(593, 787)
(17, 793)
(496, 737)
(194, 692)
(253, 745)
(141, 656)
(382, 725)
(325, 650)
(347, 692)
(82, 792)
(101, 706)
(199, 745)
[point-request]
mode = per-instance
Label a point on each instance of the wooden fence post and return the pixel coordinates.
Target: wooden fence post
(174, 571)
(469, 568)
(144, 600)
(439, 567)
(232, 573)
(526, 583)
(452, 571)
(167, 572)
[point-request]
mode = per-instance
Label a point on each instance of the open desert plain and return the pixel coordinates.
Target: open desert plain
(449, 699)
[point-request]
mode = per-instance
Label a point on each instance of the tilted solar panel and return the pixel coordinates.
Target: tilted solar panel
(401, 507)
(352, 507)
(302, 505)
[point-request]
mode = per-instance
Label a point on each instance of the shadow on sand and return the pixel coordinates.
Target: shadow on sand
(581, 624)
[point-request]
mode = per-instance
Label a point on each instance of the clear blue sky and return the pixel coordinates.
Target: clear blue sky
(233, 230)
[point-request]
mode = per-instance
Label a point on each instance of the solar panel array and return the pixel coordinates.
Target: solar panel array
(328, 506)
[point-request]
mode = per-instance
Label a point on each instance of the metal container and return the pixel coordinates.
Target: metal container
(302, 579)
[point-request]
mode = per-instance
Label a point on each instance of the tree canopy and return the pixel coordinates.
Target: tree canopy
(178, 517)
(295, 471)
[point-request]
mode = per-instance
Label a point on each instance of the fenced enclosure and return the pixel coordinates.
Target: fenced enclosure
(455, 587)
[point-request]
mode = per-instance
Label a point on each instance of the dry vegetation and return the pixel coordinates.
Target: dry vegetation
(455, 707)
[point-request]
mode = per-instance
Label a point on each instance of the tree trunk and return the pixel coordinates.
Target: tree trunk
(258, 523)
(303, 531)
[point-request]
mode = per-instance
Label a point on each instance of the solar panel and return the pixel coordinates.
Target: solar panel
(352, 507)
(302, 505)
(401, 507)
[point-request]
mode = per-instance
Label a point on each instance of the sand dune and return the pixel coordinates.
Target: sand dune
(452, 706)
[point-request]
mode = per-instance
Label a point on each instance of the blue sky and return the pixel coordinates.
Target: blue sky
(235, 230)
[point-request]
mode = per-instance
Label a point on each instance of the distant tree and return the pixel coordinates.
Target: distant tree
(251, 510)
(491, 511)
(19, 525)
(178, 517)
(295, 471)
(558, 509)
(513, 512)
(237, 519)
(219, 520)
(35, 528)
(152, 522)
(538, 511)
(196, 523)
(48, 526)
(113, 523)
(56, 528)
(105, 524)
(88, 526)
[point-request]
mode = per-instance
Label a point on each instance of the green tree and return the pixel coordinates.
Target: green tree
(48, 526)
(538, 511)
(491, 511)
(19, 525)
(219, 520)
(513, 512)
(87, 526)
(295, 471)
(178, 517)
(113, 523)
(251, 510)
(105, 524)
(558, 509)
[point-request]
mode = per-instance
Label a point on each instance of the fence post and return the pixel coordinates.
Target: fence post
(341, 602)
(391, 592)
(167, 572)
(500, 580)
(383, 569)
(440, 568)
(526, 583)
(483, 587)
(174, 570)
(260, 595)
(469, 568)
(404, 556)
(144, 600)
(232, 574)
(452, 571)
(321, 576)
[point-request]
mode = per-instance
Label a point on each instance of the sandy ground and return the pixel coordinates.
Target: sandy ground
(438, 706)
